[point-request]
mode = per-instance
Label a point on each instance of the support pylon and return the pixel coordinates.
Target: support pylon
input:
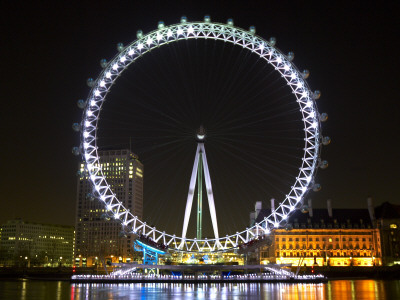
(199, 198)
(200, 166)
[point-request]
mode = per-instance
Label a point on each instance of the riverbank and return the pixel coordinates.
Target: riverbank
(65, 273)
(381, 272)
(248, 278)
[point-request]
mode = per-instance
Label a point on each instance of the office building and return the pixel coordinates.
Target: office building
(99, 239)
(34, 244)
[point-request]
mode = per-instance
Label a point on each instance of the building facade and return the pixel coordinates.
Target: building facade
(99, 239)
(388, 221)
(35, 244)
(323, 237)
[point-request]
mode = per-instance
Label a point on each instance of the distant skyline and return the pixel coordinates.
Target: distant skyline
(50, 51)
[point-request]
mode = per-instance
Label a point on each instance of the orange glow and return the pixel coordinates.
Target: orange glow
(355, 289)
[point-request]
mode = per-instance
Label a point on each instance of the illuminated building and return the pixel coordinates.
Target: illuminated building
(226, 258)
(35, 244)
(99, 239)
(323, 237)
(388, 220)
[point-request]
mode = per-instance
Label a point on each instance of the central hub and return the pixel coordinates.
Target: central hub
(201, 134)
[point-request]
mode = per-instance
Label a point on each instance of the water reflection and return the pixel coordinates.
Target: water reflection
(337, 289)
(25, 289)
(356, 289)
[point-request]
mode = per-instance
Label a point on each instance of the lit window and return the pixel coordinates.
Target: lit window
(393, 226)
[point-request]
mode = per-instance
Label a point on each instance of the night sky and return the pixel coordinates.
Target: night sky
(49, 50)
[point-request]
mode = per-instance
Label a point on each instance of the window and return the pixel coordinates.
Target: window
(393, 226)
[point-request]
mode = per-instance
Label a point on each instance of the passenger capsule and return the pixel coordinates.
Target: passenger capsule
(272, 41)
(104, 216)
(183, 19)
(252, 29)
(230, 22)
(76, 127)
(75, 151)
(323, 117)
(95, 193)
(78, 173)
(81, 104)
(316, 95)
(161, 24)
(120, 47)
(290, 56)
(139, 34)
(326, 140)
(324, 164)
(122, 234)
(90, 82)
(288, 227)
(304, 209)
(305, 74)
(207, 18)
(103, 63)
(90, 196)
(317, 187)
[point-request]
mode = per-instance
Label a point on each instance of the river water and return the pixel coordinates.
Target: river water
(333, 290)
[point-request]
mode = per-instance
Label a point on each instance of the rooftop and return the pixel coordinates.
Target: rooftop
(341, 218)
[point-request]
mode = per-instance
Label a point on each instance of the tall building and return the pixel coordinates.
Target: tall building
(388, 219)
(35, 244)
(323, 237)
(99, 239)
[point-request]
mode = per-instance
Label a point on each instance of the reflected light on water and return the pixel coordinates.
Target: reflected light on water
(59, 290)
(337, 289)
(23, 289)
(356, 289)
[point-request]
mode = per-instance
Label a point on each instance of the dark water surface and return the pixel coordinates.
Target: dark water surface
(337, 289)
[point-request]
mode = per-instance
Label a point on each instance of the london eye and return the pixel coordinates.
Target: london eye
(295, 107)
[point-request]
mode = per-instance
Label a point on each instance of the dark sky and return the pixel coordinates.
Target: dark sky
(48, 50)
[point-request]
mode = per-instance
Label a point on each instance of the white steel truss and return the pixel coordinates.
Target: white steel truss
(163, 36)
(200, 152)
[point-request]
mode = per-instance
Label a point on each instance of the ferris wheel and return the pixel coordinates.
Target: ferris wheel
(164, 36)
